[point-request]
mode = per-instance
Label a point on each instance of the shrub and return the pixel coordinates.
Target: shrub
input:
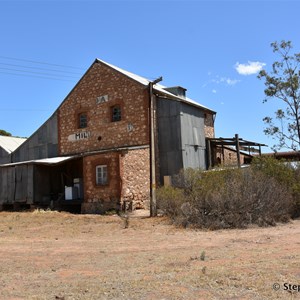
(170, 200)
(286, 173)
(231, 198)
(296, 193)
(281, 170)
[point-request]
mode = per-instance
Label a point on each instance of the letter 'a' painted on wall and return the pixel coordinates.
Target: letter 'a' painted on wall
(102, 99)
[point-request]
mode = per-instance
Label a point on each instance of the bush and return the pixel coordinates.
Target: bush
(170, 200)
(231, 198)
(296, 194)
(284, 172)
(281, 170)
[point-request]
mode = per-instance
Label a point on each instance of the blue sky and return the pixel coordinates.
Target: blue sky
(212, 48)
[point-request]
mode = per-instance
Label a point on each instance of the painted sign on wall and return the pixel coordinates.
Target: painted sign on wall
(79, 136)
(102, 99)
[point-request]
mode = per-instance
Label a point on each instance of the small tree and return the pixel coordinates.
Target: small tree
(283, 84)
(5, 133)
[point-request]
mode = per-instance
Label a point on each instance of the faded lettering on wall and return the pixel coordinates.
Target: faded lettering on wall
(79, 136)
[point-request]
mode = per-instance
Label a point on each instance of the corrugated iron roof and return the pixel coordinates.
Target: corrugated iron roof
(10, 144)
(157, 87)
(44, 161)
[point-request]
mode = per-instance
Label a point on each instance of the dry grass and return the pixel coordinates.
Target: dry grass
(51, 255)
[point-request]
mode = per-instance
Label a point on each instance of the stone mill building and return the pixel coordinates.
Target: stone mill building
(95, 150)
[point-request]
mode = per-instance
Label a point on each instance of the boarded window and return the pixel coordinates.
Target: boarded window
(101, 175)
(82, 120)
(116, 113)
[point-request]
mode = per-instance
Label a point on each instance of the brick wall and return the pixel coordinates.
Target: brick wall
(95, 95)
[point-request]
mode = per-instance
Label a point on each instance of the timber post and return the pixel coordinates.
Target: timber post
(238, 154)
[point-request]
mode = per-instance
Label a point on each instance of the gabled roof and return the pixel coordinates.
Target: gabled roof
(10, 144)
(156, 87)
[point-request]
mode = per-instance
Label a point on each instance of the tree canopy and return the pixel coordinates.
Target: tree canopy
(5, 133)
(283, 84)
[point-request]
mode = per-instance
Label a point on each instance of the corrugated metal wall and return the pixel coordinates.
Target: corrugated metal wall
(193, 137)
(169, 137)
(35, 183)
(16, 184)
(4, 156)
(42, 144)
(181, 137)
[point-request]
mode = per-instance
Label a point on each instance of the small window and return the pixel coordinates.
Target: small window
(101, 175)
(116, 113)
(83, 120)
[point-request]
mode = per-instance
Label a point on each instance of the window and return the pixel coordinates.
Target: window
(116, 113)
(101, 175)
(82, 120)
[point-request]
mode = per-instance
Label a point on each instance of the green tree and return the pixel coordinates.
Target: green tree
(283, 84)
(5, 133)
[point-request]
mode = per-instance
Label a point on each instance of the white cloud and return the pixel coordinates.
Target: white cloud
(220, 80)
(252, 67)
(225, 80)
(229, 81)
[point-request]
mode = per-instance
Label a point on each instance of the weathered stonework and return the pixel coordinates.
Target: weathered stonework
(101, 89)
(227, 157)
(209, 129)
(135, 173)
(128, 180)
(99, 198)
(95, 94)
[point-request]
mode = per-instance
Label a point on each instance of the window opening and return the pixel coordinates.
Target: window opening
(116, 113)
(101, 175)
(83, 120)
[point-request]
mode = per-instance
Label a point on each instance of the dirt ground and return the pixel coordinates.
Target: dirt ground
(52, 255)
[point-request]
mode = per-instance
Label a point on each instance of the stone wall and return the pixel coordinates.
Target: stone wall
(227, 157)
(135, 174)
(99, 198)
(100, 89)
(128, 181)
(97, 92)
(209, 129)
